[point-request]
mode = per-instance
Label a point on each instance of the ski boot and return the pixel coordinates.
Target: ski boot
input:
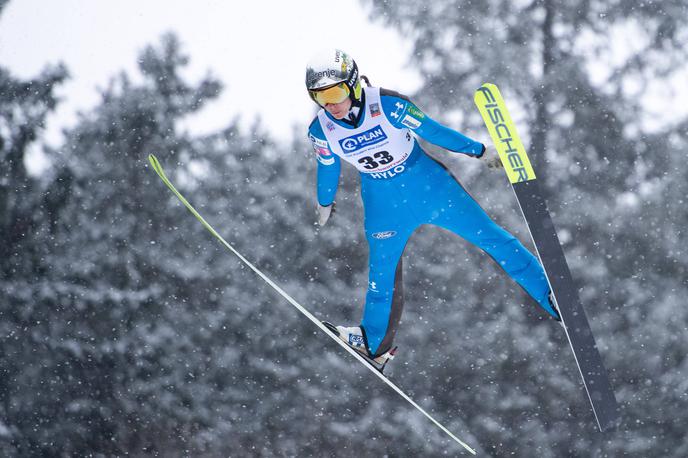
(353, 336)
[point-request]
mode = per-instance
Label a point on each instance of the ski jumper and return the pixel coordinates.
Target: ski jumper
(402, 188)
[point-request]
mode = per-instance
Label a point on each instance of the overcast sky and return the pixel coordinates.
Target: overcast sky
(258, 49)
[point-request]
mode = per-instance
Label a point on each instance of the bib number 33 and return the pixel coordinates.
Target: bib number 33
(376, 160)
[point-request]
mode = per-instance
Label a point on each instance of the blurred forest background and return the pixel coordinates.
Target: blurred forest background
(126, 329)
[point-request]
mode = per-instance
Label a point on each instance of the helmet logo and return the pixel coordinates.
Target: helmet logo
(353, 78)
(330, 73)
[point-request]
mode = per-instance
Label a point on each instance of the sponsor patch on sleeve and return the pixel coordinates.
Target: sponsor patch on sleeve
(318, 142)
(415, 112)
(322, 150)
(410, 122)
(324, 156)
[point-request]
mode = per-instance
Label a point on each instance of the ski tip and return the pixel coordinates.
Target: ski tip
(156, 165)
(486, 93)
(488, 86)
(153, 161)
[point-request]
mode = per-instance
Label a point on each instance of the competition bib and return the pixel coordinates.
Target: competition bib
(375, 147)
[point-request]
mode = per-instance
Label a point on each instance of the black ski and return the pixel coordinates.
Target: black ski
(539, 222)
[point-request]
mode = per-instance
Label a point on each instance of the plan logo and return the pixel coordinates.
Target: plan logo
(362, 140)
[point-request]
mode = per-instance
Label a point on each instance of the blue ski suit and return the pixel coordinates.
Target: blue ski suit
(403, 188)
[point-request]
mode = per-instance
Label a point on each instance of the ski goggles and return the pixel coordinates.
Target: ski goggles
(333, 94)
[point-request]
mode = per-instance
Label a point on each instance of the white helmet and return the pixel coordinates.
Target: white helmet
(329, 69)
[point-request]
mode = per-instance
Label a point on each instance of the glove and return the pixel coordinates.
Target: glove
(324, 213)
(491, 159)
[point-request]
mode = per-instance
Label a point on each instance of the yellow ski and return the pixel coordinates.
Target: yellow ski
(544, 235)
(504, 134)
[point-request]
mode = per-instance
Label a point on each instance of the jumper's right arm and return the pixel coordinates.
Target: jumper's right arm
(329, 165)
